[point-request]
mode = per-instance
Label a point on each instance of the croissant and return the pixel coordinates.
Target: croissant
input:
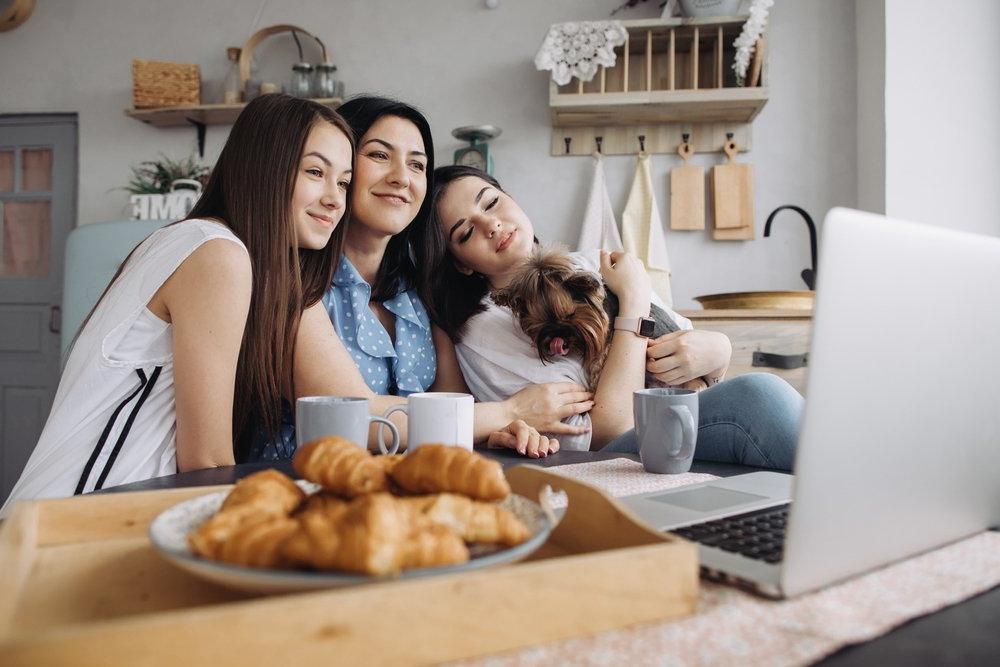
(256, 498)
(472, 520)
(207, 539)
(325, 503)
(269, 490)
(376, 535)
(443, 469)
(340, 467)
(434, 546)
(258, 544)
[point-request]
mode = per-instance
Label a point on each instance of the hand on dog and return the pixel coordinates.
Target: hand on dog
(626, 276)
(544, 406)
(679, 357)
(526, 440)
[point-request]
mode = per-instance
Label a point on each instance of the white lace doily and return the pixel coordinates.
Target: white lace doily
(578, 48)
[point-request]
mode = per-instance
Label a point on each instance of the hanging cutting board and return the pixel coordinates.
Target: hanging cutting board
(732, 198)
(687, 192)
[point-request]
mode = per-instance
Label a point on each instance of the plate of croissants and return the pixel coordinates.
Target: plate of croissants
(354, 518)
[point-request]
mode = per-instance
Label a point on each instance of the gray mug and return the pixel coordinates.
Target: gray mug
(666, 426)
(321, 416)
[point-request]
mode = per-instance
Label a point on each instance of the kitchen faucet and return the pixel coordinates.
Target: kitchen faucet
(808, 275)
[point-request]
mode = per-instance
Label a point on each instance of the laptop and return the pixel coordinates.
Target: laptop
(899, 448)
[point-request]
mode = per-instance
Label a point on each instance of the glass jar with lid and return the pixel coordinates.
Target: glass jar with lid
(326, 84)
(301, 85)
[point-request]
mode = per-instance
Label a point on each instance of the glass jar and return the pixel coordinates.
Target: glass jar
(232, 89)
(301, 85)
(326, 83)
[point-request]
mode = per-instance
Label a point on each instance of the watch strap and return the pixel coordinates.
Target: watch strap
(640, 326)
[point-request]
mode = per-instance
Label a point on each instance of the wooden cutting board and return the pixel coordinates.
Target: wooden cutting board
(687, 192)
(732, 198)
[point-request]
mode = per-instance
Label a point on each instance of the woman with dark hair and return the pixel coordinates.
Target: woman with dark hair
(193, 338)
(381, 344)
(477, 238)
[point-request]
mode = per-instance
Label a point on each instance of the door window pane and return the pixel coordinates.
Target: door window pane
(36, 170)
(6, 171)
(26, 239)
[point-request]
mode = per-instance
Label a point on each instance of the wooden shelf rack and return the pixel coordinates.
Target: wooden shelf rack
(672, 76)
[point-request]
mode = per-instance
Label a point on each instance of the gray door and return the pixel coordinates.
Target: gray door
(37, 210)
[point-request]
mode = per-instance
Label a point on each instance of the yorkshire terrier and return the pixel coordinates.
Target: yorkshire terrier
(565, 310)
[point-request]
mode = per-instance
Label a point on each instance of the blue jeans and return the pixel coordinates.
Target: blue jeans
(752, 420)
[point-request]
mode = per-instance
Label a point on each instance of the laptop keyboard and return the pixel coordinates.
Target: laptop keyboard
(759, 535)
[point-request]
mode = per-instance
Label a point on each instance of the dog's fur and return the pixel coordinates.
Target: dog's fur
(566, 310)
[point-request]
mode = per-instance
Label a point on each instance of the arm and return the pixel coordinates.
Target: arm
(324, 367)
(539, 406)
(624, 370)
(206, 300)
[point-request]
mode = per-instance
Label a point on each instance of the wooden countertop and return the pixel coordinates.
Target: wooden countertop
(748, 314)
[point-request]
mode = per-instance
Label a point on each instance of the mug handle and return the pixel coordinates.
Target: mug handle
(687, 427)
(384, 421)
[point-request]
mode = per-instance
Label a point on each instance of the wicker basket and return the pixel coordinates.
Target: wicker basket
(162, 84)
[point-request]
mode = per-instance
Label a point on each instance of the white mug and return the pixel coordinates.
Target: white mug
(436, 417)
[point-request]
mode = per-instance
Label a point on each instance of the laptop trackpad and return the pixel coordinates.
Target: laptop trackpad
(706, 499)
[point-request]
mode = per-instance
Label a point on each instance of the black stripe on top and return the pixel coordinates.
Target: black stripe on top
(128, 426)
(107, 431)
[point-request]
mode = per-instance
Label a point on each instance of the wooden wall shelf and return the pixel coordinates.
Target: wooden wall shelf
(209, 114)
(672, 76)
(201, 116)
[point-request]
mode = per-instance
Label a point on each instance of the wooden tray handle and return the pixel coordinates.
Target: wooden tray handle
(593, 520)
(246, 53)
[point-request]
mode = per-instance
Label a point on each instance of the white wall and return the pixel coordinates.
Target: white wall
(942, 107)
(870, 26)
(462, 64)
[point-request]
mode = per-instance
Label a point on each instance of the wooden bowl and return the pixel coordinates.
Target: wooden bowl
(789, 300)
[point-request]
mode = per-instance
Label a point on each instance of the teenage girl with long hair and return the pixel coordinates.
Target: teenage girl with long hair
(192, 342)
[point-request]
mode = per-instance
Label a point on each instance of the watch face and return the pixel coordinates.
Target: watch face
(646, 327)
(470, 157)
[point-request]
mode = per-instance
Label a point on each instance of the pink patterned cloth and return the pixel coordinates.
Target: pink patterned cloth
(734, 627)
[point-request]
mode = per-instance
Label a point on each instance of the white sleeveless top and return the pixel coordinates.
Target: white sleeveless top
(113, 420)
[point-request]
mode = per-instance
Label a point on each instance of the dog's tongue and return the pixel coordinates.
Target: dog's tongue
(558, 346)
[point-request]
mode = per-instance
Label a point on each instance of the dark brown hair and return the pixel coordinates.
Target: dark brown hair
(450, 296)
(250, 191)
(397, 271)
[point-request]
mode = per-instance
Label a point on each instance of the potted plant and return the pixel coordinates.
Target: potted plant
(166, 189)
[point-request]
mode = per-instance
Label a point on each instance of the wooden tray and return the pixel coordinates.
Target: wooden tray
(82, 585)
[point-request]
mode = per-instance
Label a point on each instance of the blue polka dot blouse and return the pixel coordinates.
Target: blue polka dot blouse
(401, 369)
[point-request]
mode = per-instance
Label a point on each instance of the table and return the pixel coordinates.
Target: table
(964, 634)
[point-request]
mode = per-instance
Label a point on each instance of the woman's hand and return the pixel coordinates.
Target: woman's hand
(627, 278)
(681, 356)
(544, 406)
(526, 440)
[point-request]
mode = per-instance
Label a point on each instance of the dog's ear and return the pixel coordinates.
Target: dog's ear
(504, 297)
(582, 283)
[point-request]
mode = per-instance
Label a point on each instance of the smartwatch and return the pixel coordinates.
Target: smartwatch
(640, 326)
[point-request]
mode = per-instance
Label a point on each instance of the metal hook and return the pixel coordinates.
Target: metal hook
(642, 143)
(567, 140)
(729, 136)
(685, 136)
(599, 141)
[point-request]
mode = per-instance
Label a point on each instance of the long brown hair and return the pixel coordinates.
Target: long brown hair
(250, 191)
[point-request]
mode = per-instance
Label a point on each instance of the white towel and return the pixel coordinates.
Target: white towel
(642, 230)
(600, 229)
